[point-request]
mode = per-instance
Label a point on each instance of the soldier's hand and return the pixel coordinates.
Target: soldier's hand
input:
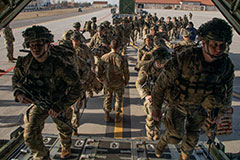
(149, 98)
(53, 114)
(23, 99)
(156, 114)
(104, 44)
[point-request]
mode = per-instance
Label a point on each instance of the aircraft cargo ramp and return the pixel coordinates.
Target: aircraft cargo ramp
(89, 148)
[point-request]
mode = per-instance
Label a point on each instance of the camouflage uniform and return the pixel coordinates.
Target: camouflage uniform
(113, 71)
(157, 38)
(117, 31)
(190, 86)
(67, 34)
(146, 78)
(145, 49)
(91, 26)
(96, 45)
(147, 25)
(141, 25)
(8, 40)
(135, 30)
(174, 30)
(186, 42)
(86, 61)
(127, 31)
(169, 26)
(56, 80)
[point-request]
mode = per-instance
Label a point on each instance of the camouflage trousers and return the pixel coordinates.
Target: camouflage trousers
(81, 102)
(152, 126)
(108, 94)
(134, 36)
(174, 33)
(146, 31)
(140, 32)
(34, 123)
(183, 127)
(10, 49)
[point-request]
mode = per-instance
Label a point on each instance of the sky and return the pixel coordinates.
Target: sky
(109, 1)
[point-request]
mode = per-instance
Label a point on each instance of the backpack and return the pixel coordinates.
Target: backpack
(87, 25)
(67, 34)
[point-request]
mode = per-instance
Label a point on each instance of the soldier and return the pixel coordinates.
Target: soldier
(135, 30)
(117, 31)
(146, 48)
(169, 26)
(193, 82)
(147, 25)
(77, 27)
(114, 73)
(185, 21)
(146, 79)
(127, 32)
(141, 25)
(155, 18)
(174, 30)
(178, 47)
(99, 43)
(91, 26)
(86, 63)
(9, 39)
(157, 38)
(52, 78)
(190, 15)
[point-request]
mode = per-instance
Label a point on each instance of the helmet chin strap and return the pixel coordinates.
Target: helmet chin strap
(212, 56)
(45, 51)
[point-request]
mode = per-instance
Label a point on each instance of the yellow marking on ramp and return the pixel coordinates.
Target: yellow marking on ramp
(236, 95)
(118, 129)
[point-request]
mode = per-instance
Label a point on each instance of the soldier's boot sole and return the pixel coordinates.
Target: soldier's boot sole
(159, 149)
(65, 153)
(107, 117)
(117, 118)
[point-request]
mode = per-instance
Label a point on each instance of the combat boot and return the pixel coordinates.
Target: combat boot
(65, 152)
(117, 117)
(107, 117)
(160, 148)
(184, 156)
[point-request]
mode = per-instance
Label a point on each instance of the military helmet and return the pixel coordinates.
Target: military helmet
(115, 21)
(148, 36)
(186, 33)
(162, 27)
(216, 29)
(155, 28)
(76, 25)
(161, 54)
(36, 33)
(100, 28)
(94, 18)
(75, 36)
(169, 17)
(106, 24)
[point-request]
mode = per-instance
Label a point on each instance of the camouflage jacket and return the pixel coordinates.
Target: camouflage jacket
(178, 46)
(117, 33)
(146, 78)
(143, 50)
(113, 70)
(85, 53)
(158, 40)
(55, 79)
(8, 34)
(187, 80)
(96, 45)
